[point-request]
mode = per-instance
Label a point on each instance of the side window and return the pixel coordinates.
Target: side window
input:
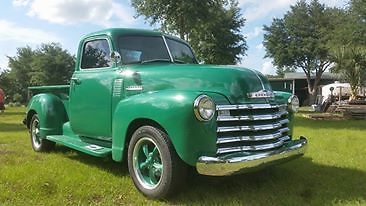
(96, 54)
(180, 52)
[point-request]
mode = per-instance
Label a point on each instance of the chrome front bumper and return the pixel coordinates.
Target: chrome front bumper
(244, 161)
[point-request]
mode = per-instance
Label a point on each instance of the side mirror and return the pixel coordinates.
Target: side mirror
(116, 57)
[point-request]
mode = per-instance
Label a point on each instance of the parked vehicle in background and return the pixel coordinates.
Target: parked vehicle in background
(2, 100)
(142, 95)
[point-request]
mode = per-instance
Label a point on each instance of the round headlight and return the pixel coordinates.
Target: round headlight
(204, 108)
(293, 103)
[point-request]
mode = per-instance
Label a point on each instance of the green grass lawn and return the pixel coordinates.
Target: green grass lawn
(333, 172)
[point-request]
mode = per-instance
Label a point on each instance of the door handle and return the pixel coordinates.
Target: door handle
(76, 80)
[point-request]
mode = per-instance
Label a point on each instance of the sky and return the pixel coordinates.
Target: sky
(33, 22)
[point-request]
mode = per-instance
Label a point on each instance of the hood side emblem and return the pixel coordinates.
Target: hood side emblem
(261, 94)
(134, 88)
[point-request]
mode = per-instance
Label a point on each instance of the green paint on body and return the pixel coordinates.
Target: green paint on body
(105, 105)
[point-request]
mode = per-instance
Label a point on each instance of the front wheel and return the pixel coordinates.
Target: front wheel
(38, 144)
(154, 166)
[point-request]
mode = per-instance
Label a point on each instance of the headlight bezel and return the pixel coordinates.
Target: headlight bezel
(197, 106)
(293, 103)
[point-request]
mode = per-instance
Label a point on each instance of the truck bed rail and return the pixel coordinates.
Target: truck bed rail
(64, 89)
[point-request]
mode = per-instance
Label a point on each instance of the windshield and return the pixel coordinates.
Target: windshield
(145, 49)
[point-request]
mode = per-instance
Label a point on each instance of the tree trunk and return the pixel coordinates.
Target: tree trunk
(354, 90)
(313, 87)
(312, 97)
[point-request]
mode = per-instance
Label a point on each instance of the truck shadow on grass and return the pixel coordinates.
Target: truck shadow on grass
(12, 113)
(12, 127)
(300, 182)
(116, 168)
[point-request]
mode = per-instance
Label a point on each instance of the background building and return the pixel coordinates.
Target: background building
(295, 83)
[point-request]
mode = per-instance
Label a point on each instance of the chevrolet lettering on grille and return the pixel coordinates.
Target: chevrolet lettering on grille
(261, 94)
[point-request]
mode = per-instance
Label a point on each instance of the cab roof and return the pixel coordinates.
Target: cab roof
(115, 32)
(125, 31)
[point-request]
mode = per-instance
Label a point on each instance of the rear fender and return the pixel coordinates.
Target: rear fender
(51, 112)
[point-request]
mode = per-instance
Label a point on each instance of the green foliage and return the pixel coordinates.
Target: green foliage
(6, 84)
(358, 10)
(219, 41)
(17, 97)
(299, 40)
(211, 27)
(51, 65)
(19, 75)
(311, 37)
(280, 71)
(47, 65)
(14, 104)
(350, 29)
(351, 63)
(348, 46)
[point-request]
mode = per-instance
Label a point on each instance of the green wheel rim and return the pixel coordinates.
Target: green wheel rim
(147, 163)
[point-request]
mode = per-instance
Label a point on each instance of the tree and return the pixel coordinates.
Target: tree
(351, 25)
(280, 71)
(51, 65)
(6, 84)
(348, 46)
(351, 64)
(19, 74)
(299, 41)
(358, 10)
(212, 27)
(357, 13)
(223, 43)
(47, 65)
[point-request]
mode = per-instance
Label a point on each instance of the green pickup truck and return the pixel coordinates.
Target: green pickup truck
(142, 96)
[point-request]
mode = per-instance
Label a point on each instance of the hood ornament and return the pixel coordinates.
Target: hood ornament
(261, 94)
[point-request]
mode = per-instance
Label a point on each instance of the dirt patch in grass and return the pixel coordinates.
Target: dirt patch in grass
(95, 199)
(6, 152)
(48, 188)
(324, 116)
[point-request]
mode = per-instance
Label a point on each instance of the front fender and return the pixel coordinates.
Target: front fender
(51, 113)
(282, 97)
(172, 110)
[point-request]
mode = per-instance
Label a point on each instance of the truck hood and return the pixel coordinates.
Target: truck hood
(231, 81)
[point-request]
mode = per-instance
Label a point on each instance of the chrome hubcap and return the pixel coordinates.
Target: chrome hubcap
(35, 133)
(147, 163)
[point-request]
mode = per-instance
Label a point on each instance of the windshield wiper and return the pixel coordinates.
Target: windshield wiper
(179, 61)
(155, 60)
(134, 62)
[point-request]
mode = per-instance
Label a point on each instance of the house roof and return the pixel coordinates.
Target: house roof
(301, 75)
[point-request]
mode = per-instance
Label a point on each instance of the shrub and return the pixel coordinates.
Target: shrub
(17, 97)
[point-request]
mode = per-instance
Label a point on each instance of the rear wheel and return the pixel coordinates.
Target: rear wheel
(154, 166)
(38, 143)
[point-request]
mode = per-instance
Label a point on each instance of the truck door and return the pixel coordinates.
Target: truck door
(91, 89)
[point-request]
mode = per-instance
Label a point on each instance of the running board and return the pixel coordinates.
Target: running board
(77, 144)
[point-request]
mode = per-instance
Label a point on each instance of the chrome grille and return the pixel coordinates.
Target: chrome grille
(251, 127)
